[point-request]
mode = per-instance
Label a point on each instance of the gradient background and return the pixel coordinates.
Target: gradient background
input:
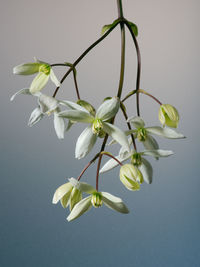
(162, 228)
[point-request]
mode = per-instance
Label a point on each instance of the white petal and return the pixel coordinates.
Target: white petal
(47, 103)
(146, 170)
(59, 125)
(61, 191)
(116, 134)
(83, 187)
(26, 69)
(39, 82)
(114, 203)
(137, 122)
(85, 143)
(150, 143)
(54, 78)
(24, 91)
(108, 109)
(77, 115)
(110, 164)
(123, 151)
(72, 105)
(165, 132)
(80, 208)
(35, 117)
(157, 153)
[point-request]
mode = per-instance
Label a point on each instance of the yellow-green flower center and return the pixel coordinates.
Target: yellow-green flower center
(136, 159)
(97, 128)
(141, 134)
(96, 200)
(45, 68)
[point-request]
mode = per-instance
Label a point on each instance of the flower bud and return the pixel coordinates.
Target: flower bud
(141, 134)
(87, 106)
(96, 200)
(136, 159)
(131, 177)
(168, 115)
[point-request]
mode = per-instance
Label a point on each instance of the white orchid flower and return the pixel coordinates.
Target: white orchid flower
(44, 71)
(95, 199)
(143, 133)
(67, 194)
(98, 126)
(137, 160)
(46, 105)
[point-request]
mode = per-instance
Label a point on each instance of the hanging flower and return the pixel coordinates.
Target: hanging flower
(98, 126)
(95, 199)
(138, 161)
(46, 106)
(44, 71)
(67, 194)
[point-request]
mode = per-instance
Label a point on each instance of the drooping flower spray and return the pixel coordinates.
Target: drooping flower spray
(100, 123)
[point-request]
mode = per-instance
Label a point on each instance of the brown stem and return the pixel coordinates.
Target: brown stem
(111, 156)
(146, 93)
(129, 126)
(88, 165)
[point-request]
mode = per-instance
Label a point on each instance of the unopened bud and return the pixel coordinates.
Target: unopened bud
(168, 115)
(87, 106)
(131, 177)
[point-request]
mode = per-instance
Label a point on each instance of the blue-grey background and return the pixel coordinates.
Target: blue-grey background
(162, 228)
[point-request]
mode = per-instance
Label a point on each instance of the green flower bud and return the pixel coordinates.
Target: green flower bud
(168, 115)
(45, 68)
(141, 134)
(87, 106)
(97, 128)
(131, 177)
(96, 200)
(136, 159)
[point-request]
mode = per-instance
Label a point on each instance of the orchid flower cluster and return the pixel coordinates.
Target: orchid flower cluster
(100, 123)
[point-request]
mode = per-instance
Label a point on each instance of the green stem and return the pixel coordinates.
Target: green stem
(121, 80)
(120, 8)
(138, 66)
(84, 54)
